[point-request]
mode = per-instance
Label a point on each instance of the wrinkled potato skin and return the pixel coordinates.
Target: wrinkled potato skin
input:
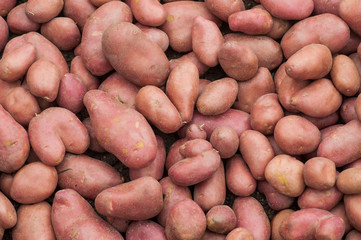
(319, 173)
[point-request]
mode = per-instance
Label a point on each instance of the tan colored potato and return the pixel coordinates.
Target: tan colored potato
(43, 11)
(321, 199)
(225, 140)
(79, 11)
(148, 12)
(290, 10)
(276, 223)
(221, 219)
(223, 9)
(348, 11)
(319, 173)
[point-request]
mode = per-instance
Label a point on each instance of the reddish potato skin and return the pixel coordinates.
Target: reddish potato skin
(276, 223)
(18, 22)
(91, 52)
(223, 9)
(326, 7)
(348, 181)
(139, 199)
(353, 235)
(191, 57)
(94, 144)
(8, 216)
(321, 199)
(41, 12)
(348, 11)
(63, 32)
(173, 155)
(139, 148)
(88, 176)
(119, 224)
(239, 234)
(145, 230)
(78, 67)
(225, 140)
(357, 107)
(195, 132)
(6, 6)
(79, 11)
(352, 206)
(352, 44)
(249, 212)
(194, 147)
(289, 10)
(156, 35)
(33, 183)
(331, 26)
(212, 236)
(148, 12)
(221, 219)
(5, 183)
(34, 222)
(182, 88)
(186, 221)
(323, 122)
(275, 200)
(319, 173)
(340, 211)
(44, 129)
(71, 214)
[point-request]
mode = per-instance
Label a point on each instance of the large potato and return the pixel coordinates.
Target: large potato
(290, 10)
(223, 9)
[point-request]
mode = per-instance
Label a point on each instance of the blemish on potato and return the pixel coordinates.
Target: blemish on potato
(117, 119)
(170, 18)
(9, 143)
(125, 150)
(282, 178)
(139, 145)
(137, 125)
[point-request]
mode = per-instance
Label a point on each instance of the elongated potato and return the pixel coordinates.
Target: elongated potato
(290, 10)
(19, 23)
(223, 9)
(348, 181)
(43, 11)
(352, 206)
(148, 12)
(321, 199)
(192, 57)
(8, 215)
(79, 11)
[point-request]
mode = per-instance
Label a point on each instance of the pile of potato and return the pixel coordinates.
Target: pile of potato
(283, 121)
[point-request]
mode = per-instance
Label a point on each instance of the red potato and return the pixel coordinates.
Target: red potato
(79, 11)
(238, 60)
(94, 144)
(15, 145)
(217, 97)
(221, 219)
(195, 132)
(63, 32)
(139, 199)
(321, 199)
(253, 21)
(348, 11)
(348, 181)
(352, 44)
(145, 230)
(5, 88)
(173, 154)
(319, 173)
(156, 35)
(202, 84)
(193, 147)
(207, 41)
(99, 3)
(124, 44)
(42, 12)
(326, 7)
(6, 6)
(313, 61)
(289, 10)
(342, 145)
(92, 53)
(256, 151)
(4, 33)
(223, 9)
(136, 150)
(34, 222)
(155, 168)
(321, 29)
(18, 21)
(249, 91)
(238, 177)
(323, 122)
(33, 183)
(22, 105)
(8, 216)
(191, 57)
(155, 105)
(88, 176)
(251, 216)
(353, 235)
(182, 89)
(276, 223)
(357, 107)
(239, 234)
(276, 149)
(275, 200)
(49, 143)
(71, 214)
(345, 76)
(212, 236)
(186, 220)
(178, 26)
(5, 183)
(340, 211)
(352, 206)
(148, 12)
(14, 65)
(78, 67)
(119, 224)
(225, 140)
(211, 192)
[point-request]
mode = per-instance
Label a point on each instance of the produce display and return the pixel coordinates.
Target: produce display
(180, 120)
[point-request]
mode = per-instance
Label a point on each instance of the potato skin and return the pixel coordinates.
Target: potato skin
(191, 57)
(139, 199)
(348, 181)
(148, 12)
(79, 11)
(145, 230)
(221, 219)
(239, 234)
(124, 44)
(8, 216)
(225, 140)
(319, 173)
(289, 10)
(352, 206)
(275, 199)
(340, 211)
(321, 199)
(43, 11)
(6, 6)
(223, 9)
(18, 22)
(276, 223)
(348, 11)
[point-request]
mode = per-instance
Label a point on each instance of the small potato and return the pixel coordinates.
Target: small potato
(148, 12)
(191, 57)
(78, 67)
(265, 113)
(34, 222)
(86, 175)
(345, 76)
(323, 122)
(221, 219)
(186, 220)
(275, 200)
(289, 10)
(223, 9)
(33, 183)
(352, 206)
(225, 140)
(319, 173)
(348, 11)
(94, 144)
(347, 109)
(18, 21)
(348, 181)
(155, 105)
(217, 97)
(156, 35)
(79, 11)
(321, 199)
(63, 32)
(8, 216)
(285, 173)
(313, 61)
(238, 60)
(145, 230)
(6, 6)
(43, 11)
(212, 236)
(253, 21)
(340, 211)
(296, 135)
(196, 132)
(173, 155)
(239, 234)
(276, 223)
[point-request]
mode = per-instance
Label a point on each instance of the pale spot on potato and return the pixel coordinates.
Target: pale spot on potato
(97, 33)
(334, 136)
(125, 150)
(282, 178)
(93, 106)
(328, 193)
(117, 119)
(136, 1)
(93, 19)
(9, 143)
(139, 145)
(137, 125)
(170, 18)
(305, 94)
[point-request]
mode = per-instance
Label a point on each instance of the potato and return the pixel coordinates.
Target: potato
(290, 10)
(357, 107)
(275, 200)
(182, 88)
(238, 177)
(319, 173)
(225, 140)
(18, 22)
(251, 216)
(33, 183)
(63, 32)
(348, 181)
(323, 122)
(326, 7)
(178, 26)
(353, 235)
(345, 76)
(223, 9)
(6, 6)
(173, 154)
(54, 131)
(145, 230)
(348, 11)
(352, 206)
(148, 12)
(4, 33)
(352, 44)
(309, 31)
(313, 61)
(211, 192)
(195, 131)
(119, 224)
(285, 174)
(212, 236)
(5, 183)
(71, 214)
(91, 52)
(88, 176)
(99, 3)
(155, 105)
(34, 222)
(191, 57)
(217, 97)
(186, 221)
(239, 234)
(78, 67)
(156, 35)
(94, 144)
(8, 216)
(14, 65)
(342, 146)
(238, 60)
(340, 211)
(193, 147)
(253, 21)
(136, 150)
(79, 11)
(276, 223)
(221, 219)
(321, 199)
(249, 91)
(41, 12)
